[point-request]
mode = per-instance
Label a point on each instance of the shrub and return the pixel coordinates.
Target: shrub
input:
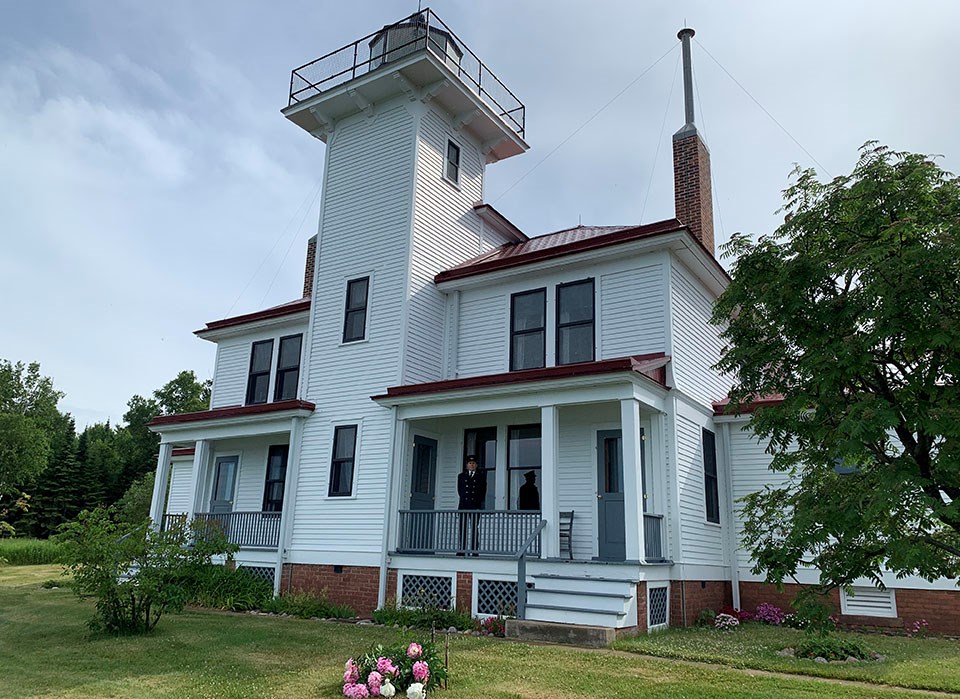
(706, 617)
(135, 572)
(492, 626)
(726, 622)
(769, 614)
(30, 552)
(831, 647)
(425, 617)
(219, 587)
(54, 583)
(738, 614)
(308, 606)
(918, 629)
(385, 671)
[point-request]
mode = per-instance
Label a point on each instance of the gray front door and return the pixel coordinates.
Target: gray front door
(423, 478)
(224, 484)
(610, 520)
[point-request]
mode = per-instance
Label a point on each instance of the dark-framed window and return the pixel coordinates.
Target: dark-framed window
(342, 463)
(452, 164)
(276, 477)
(528, 329)
(288, 367)
(355, 310)
(258, 380)
(575, 320)
(711, 483)
(481, 442)
(523, 457)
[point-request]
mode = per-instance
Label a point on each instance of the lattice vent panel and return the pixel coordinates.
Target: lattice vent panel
(657, 598)
(426, 591)
(264, 573)
(497, 597)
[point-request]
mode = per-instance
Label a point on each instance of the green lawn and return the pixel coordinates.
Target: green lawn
(927, 663)
(45, 651)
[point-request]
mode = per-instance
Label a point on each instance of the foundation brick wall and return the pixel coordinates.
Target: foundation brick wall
(355, 586)
(641, 607)
(941, 608)
(689, 597)
(465, 592)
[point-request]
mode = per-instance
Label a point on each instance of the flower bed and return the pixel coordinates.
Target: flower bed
(404, 670)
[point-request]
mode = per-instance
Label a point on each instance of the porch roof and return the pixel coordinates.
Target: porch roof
(649, 366)
(725, 407)
(293, 407)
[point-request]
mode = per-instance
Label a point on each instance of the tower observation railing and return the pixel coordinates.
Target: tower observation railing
(421, 31)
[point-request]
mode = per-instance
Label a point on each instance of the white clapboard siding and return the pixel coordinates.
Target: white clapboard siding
(179, 496)
(701, 541)
(632, 312)
(446, 232)
(483, 334)
(869, 601)
(365, 230)
(696, 345)
(230, 375)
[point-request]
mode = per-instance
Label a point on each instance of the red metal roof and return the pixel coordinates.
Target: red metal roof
(283, 309)
(552, 245)
(722, 407)
(185, 451)
(650, 365)
(232, 411)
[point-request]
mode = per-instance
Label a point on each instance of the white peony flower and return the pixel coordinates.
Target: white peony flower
(387, 689)
(415, 691)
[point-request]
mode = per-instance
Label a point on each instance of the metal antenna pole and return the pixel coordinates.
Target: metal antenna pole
(685, 35)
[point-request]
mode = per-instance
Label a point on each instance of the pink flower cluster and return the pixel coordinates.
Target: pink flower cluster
(355, 690)
(414, 650)
(421, 671)
(385, 666)
(351, 673)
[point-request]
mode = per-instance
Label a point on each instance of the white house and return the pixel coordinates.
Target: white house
(430, 329)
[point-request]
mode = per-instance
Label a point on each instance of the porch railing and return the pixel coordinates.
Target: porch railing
(172, 520)
(260, 530)
(653, 538)
(481, 532)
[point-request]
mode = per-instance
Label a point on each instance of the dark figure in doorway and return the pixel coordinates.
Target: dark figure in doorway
(472, 489)
(529, 496)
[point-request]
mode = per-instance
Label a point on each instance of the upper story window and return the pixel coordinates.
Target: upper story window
(355, 312)
(575, 318)
(711, 482)
(258, 381)
(452, 165)
(288, 368)
(528, 329)
(276, 478)
(342, 464)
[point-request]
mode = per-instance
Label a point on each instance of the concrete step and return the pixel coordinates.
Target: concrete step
(572, 634)
(573, 615)
(587, 601)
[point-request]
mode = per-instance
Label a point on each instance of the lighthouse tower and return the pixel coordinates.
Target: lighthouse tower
(410, 118)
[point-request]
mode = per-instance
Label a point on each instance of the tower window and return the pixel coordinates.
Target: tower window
(355, 312)
(452, 170)
(342, 465)
(711, 482)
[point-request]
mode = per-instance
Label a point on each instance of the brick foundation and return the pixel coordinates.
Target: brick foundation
(689, 597)
(354, 586)
(941, 608)
(641, 607)
(465, 592)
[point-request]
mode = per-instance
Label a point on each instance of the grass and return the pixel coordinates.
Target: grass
(45, 650)
(29, 552)
(921, 663)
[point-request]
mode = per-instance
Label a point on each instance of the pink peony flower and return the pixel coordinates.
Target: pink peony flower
(374, 681)
(355, 691)
(385, 666)
(421, 671)
(414, 650)
(351, 673)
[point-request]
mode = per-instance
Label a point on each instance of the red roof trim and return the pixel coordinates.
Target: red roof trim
(275, 312)
(723, 407)
(233, 411)
(623, 236)
(186, 451)
(649, 365)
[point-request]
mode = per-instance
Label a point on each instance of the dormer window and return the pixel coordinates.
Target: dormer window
(452, 166)
(528, 330)
(258, 380)
(288, 368)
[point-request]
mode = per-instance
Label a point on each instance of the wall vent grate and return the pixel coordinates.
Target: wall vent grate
(657, 606)
(496, 597)
(426, 591)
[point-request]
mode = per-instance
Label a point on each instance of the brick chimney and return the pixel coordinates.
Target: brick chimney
(692, 193)
(310, 266)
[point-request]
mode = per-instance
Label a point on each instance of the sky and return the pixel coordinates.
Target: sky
(149, 184)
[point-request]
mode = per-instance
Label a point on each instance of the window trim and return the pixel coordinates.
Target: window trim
(267, 480)
(251, 373)
(707, 476)
(353, 470)
(592, 322)
(447, 163)
(283, 370)
(347, 310)
(543, 328)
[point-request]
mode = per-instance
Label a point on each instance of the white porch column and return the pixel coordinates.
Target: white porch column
(289, 498)
(632, 479)
(159, 500)
(396, 477)
(197, 477)
(549, 501)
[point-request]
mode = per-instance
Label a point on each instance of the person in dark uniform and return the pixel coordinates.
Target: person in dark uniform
(472, 489)
(529, 496)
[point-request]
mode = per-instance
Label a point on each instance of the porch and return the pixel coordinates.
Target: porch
(248, 530)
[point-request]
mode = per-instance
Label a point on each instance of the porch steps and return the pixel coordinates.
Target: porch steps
(583, 600)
